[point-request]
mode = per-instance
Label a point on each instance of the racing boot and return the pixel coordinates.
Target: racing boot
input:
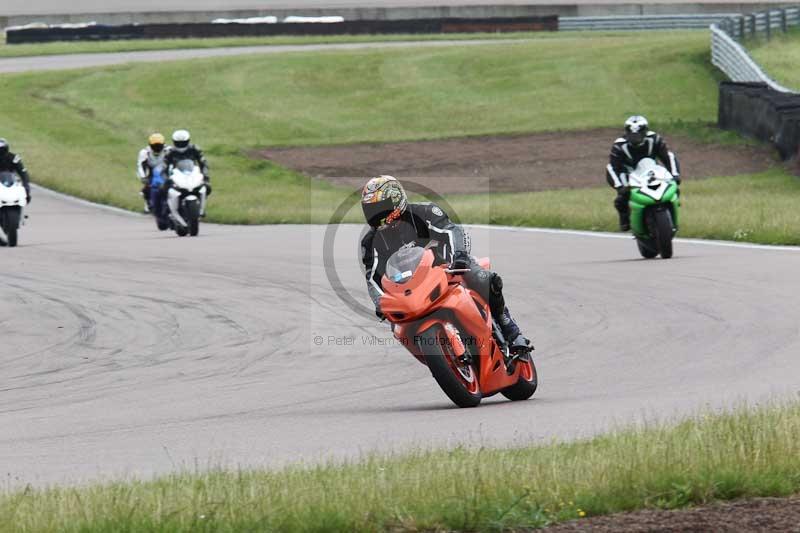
(624, 210)
(624, 221)
(146, 197)
(516, 340)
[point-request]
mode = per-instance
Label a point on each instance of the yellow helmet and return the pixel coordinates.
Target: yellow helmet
(156, 142)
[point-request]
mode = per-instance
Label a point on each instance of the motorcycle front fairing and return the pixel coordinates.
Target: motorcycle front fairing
(427, 297)
(12, 191)
(651, 185)
(187, 185)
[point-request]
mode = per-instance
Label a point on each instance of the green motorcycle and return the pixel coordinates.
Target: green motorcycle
(655, 208)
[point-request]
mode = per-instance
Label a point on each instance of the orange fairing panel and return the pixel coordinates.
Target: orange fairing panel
(432, 298)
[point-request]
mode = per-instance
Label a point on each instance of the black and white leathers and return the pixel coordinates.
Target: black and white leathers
(625, 156)
(420, 224)
(11, 162)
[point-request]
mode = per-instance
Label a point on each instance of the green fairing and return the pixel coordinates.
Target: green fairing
(640, 201)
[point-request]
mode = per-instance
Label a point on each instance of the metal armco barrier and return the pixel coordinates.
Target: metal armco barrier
(753, 103)
(728, 54)
(355, 27)
(639, 22)
(765, 23)
(732, 59)
(759, 111)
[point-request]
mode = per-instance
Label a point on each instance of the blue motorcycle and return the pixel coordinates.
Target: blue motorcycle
(157, 200)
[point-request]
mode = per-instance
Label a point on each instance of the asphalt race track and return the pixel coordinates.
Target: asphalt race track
(12, 65)
(24, 7)
(126, 351)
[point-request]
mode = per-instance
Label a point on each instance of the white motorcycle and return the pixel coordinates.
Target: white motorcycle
(186, 198)
(13, 199)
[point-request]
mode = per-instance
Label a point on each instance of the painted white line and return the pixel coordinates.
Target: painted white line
(605, 235)
(577, 233)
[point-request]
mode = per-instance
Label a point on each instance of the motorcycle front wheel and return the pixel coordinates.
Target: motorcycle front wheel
(11, 219)
(527, 384)
(457, 379)
(193, 217)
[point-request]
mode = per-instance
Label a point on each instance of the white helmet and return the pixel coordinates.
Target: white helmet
(636, 128)
(181, 139)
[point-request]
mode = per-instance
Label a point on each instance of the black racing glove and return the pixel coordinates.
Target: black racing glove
(379, 314)
(461, 260)
(28, 199)
(207, 181)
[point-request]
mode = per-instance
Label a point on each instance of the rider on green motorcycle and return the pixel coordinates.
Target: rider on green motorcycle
(638, 143)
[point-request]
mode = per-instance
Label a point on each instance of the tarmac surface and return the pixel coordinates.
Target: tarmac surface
(129, 352)
(12, 65)
(43, 7)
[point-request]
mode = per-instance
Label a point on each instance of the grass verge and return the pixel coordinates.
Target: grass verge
(80, 130)
(752, 208)
(88, 47)
(751, 452)
(755, 208)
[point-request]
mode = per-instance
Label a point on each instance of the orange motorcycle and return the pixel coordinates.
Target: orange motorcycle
(449, 328)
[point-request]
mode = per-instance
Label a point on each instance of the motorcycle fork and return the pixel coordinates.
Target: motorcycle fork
(173, 202)
(203, 197)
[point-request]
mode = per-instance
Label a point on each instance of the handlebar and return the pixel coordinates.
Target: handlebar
(457, 270)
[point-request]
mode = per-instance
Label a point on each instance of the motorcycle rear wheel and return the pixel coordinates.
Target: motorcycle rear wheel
(527, 384)
(459, 382)
(647, 249)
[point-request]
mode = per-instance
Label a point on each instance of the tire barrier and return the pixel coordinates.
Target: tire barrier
(757, 110)
(210, 30)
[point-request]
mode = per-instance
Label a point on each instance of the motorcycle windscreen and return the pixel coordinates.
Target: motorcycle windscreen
(403, 263)
(186, 166)
(8, 179)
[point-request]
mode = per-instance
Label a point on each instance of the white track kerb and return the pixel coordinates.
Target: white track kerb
(605, 235)
(579, 233)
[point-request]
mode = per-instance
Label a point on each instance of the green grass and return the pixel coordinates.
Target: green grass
(779, 57)
(757, 208)
(89, 47)
(80, 130)
(753, 208)
(746, 453)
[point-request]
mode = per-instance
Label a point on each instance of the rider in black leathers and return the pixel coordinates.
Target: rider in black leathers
(395, 223)
(638, 143)
(10, 162)
(182, 148)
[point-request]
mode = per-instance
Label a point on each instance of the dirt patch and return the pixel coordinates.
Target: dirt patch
(762, 514)
(535, 162)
